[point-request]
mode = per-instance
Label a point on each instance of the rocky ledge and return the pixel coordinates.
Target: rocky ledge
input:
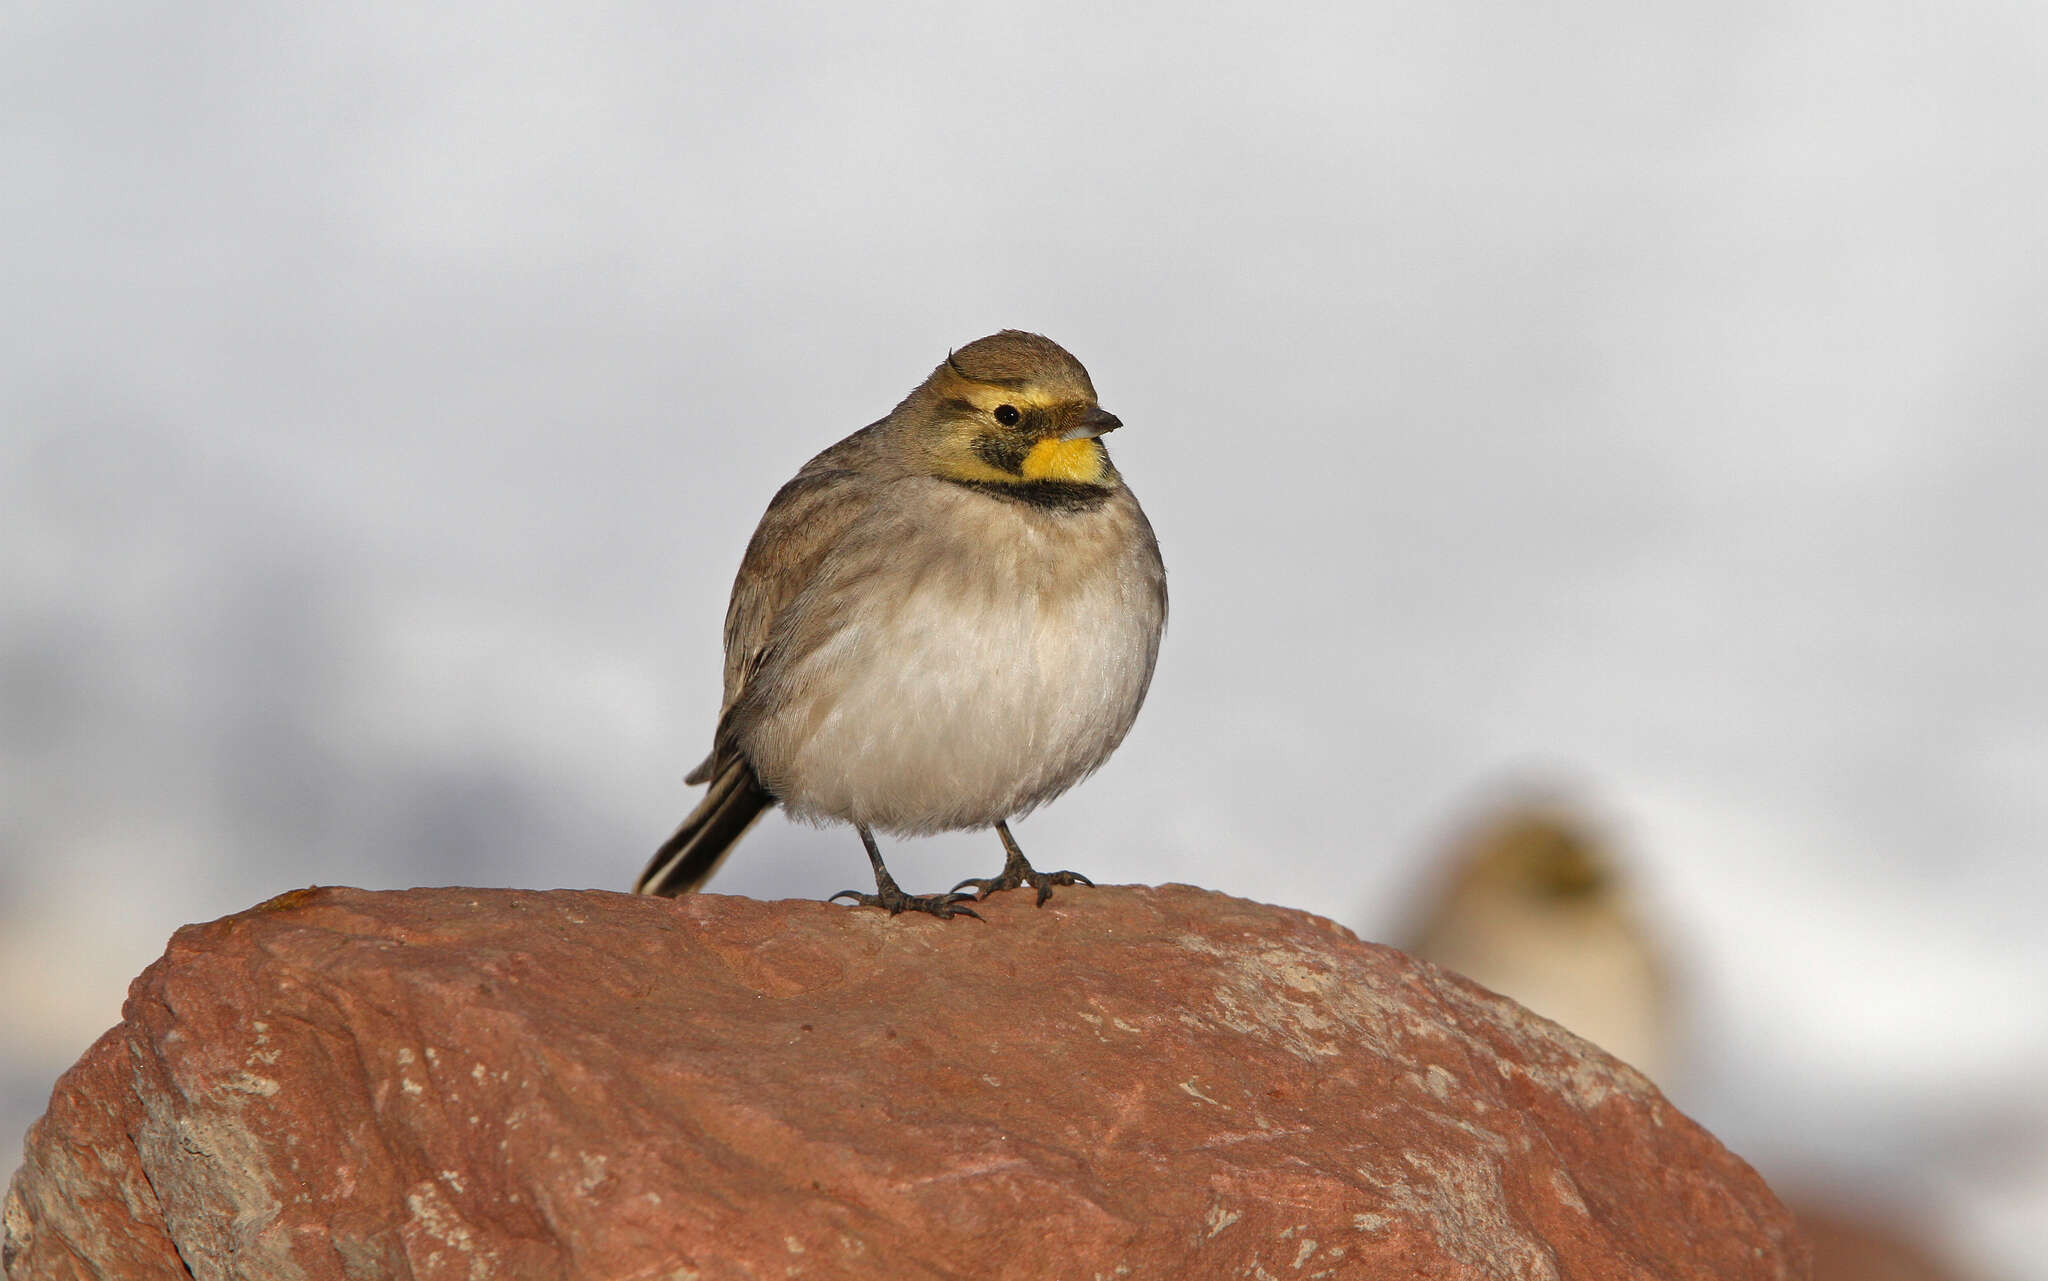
(1127, 1082)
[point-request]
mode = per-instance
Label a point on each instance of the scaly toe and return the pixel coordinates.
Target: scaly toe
(986, 885)
(1044, 882)
(944, 906)
(1040, 881)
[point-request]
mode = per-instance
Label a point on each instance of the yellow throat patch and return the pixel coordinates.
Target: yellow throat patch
(1078, 461)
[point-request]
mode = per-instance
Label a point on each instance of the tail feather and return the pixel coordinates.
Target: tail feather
(687, 859)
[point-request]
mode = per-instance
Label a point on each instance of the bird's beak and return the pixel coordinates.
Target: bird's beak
(1095, 422)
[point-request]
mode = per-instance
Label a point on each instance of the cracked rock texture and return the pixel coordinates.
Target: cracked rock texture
(1158, 1083)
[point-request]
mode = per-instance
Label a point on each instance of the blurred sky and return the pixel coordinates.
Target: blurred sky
(1647, 397)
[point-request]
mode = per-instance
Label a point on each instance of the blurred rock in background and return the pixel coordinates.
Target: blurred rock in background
(1533, 900)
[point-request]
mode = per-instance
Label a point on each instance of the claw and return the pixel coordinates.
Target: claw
(1046, 881)
(944, 906)
(890, 897)
(1017, 871)
(1028, 875)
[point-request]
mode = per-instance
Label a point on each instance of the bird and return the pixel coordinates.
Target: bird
(942, 622)
(1536, 907)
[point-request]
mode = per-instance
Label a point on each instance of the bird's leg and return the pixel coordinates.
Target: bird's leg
(1017, 870)
(887, 894)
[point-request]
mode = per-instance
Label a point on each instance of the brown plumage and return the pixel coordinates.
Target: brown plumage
(943, 621)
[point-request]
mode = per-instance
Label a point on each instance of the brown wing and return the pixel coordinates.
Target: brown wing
(800, 527)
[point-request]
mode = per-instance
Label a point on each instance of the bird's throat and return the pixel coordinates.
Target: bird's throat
(1077, 462)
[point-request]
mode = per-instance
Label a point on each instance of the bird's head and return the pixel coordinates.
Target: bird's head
(1014, 410)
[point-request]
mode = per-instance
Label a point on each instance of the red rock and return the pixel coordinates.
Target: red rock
(1128, 1082)
(1853, 1243)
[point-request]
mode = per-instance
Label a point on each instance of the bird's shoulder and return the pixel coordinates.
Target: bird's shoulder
(808, 517)
(810, 513)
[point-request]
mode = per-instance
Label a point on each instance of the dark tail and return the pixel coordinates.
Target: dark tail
(687, 859)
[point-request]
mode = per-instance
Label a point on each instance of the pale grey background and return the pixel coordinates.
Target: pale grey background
(1649, 397)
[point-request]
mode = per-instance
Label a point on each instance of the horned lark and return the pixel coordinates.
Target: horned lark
(1536, 908)
(944, 621)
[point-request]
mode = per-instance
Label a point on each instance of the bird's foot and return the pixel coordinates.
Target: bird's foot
(1015, 877)
(943, 906)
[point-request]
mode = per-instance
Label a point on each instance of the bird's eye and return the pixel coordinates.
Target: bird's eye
(1007, 415)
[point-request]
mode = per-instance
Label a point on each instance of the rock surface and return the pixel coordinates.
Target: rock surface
(1856, 1244)
(1158, 1083)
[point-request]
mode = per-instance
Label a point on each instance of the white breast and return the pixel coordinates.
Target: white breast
(987, 686)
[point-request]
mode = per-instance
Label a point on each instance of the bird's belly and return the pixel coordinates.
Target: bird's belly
(956, 709)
